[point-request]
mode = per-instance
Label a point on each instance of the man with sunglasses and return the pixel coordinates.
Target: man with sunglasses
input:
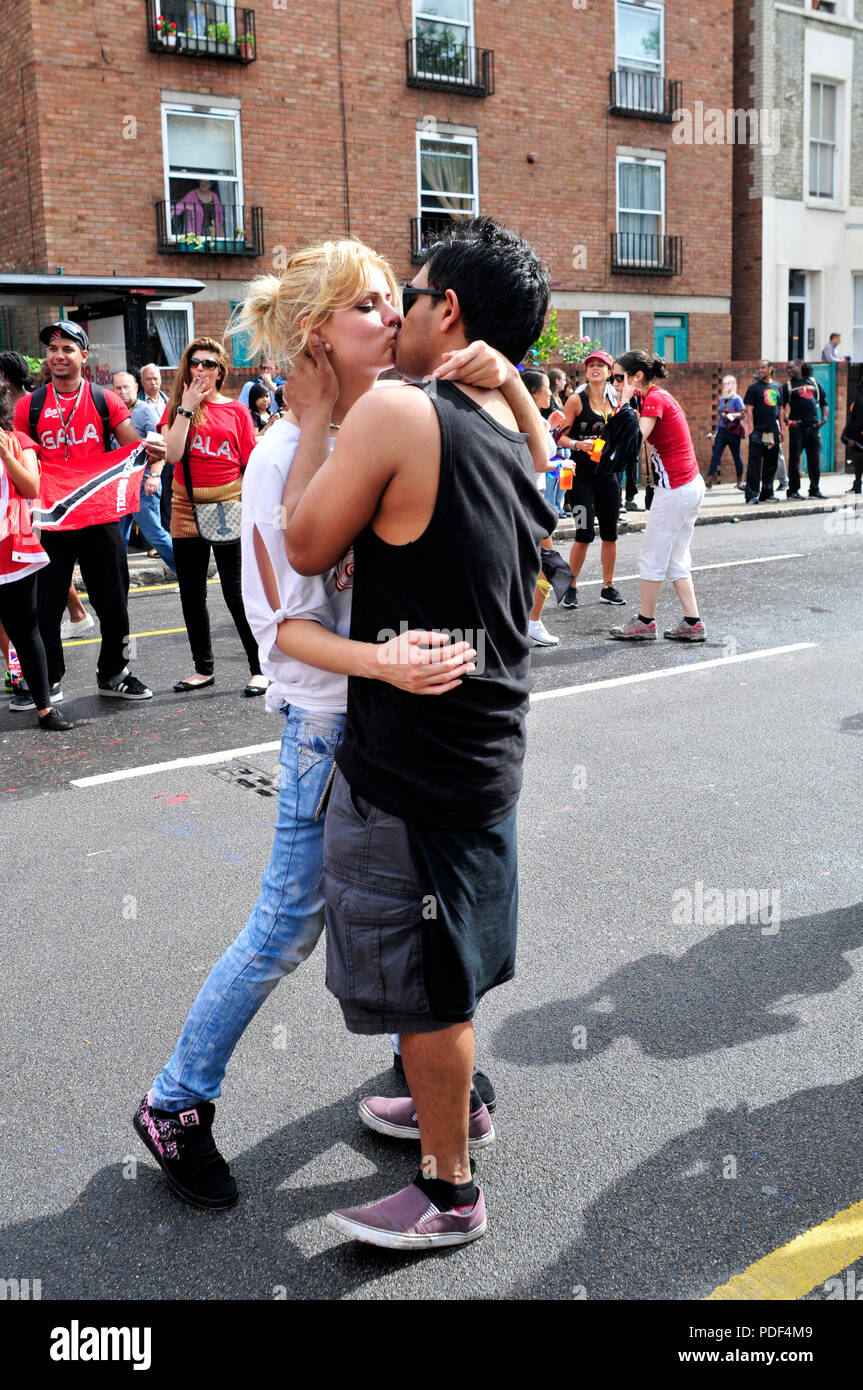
(435, 489)
(71, 425)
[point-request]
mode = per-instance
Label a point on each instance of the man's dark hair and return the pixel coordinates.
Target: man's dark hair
(16, 371)
(501, 283)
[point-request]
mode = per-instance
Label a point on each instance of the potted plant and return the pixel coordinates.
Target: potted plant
(218, 34)
(247, 47)
(166, 31)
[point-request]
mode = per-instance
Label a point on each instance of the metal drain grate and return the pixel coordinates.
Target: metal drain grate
(252, 778)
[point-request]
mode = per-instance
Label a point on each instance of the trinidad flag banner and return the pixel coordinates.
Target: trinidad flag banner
(99, 488)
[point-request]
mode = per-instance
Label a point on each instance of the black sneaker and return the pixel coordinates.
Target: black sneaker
(54, 722)
(570, 598)
(182, 1144)
(125, 687)
(484, 1088)
(611, 595)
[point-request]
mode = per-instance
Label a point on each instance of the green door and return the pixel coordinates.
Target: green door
(825, 372)
(670, 337)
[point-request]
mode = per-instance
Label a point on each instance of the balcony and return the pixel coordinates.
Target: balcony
(198, 29)
(643, 94)
(637, 253)
(449, 66)
(238, 232)
(425, 231)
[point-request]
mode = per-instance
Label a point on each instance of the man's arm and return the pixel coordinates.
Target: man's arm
(125, 433)
(344, 493)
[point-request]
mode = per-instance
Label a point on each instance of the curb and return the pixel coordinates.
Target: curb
(566, 530)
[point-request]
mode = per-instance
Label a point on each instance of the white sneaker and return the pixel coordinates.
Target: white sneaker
(540, 635)
(70, 630)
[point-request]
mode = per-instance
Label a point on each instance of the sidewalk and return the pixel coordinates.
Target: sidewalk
(725, 503)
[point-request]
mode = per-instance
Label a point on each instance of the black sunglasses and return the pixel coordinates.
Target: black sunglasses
(410, 294)
(204, 362)
(618, 376)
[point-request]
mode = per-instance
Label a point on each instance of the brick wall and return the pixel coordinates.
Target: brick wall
(746, 212)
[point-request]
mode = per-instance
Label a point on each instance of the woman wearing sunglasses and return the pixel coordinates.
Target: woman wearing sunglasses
(210, 438)
(343, 296)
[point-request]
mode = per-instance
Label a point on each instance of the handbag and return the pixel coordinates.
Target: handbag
(219, 523)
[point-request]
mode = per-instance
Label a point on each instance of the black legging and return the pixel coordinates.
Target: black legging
(19, 616)
(192, 559)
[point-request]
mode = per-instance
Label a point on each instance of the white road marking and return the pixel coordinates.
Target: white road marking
(697, 569)
(668, 671)
(199, 760)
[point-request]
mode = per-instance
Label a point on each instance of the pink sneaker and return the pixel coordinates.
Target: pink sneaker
(397, 1118)
(634, 631)
(687, 632)
(409, 1221)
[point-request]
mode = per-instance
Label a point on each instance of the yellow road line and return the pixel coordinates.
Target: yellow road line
(88, 641)
(151, 588)
(796, 1268)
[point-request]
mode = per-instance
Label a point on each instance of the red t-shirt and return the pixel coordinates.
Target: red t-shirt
(220, 449)
(673, 453)
(83, 424)
(27, 443)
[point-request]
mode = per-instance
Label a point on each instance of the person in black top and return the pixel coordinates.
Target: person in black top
(852, 438)
(436, 489)
(595, 493)
(804, 411)
(763, 406)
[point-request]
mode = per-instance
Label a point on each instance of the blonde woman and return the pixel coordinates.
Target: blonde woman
(210, 439)
(344, 295)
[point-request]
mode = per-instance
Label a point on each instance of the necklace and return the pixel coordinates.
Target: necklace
(66, 420)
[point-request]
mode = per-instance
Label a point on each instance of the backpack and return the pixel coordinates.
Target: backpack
(100, 401)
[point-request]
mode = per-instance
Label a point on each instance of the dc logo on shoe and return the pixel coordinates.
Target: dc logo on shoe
(188, 1117)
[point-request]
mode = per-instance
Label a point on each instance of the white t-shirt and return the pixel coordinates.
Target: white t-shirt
(325, 599)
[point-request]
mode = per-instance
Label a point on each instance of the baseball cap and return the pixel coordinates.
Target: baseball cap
(599, 356)
(68, 330)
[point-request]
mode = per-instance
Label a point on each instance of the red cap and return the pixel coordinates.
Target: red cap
(599, 356)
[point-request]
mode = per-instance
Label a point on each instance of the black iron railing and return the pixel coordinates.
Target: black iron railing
(643, 94)
(637, 253)
(200, 29)
(448, 65)
(425, 231)
(230, 229)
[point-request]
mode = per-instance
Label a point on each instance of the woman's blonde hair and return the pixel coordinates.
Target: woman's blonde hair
(280, 311)
(184, 377)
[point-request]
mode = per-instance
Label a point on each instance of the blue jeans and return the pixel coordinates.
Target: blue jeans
(149, 519)
(281, 932)
(553, 494)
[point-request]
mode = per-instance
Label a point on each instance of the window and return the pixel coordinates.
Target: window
(610, 330)
(203, 172)
(857, 326)
(823, 112)
(447, 178)
(444, 35)
(640, 210)
(170, 326)
(639, 36)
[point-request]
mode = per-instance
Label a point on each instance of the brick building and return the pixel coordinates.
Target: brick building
(175, 149)
(798, 229)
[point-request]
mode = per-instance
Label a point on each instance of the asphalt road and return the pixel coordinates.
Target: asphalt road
(641, 1047)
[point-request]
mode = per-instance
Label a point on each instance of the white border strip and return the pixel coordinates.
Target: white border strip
(668, 671)
(200, 760)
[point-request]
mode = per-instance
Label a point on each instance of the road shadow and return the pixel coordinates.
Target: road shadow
(713, 1201)
(719, 993)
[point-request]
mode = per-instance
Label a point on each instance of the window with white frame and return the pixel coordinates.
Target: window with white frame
(823, 138)
(203, 171)
(610, 330)
(639, 36)
(640, 210)
(443, 30)
(170, 326)
(857, 325)
(447, 177)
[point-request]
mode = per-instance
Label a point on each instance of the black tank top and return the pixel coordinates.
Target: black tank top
(452, 760)
(586, 426)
